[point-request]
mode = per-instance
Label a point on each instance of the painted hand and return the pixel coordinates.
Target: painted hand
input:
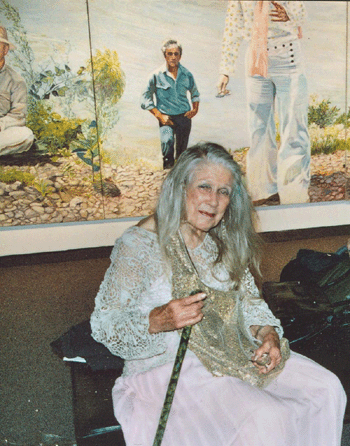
(279, 14)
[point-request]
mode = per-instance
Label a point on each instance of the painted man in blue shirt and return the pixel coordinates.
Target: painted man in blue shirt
(168, 86)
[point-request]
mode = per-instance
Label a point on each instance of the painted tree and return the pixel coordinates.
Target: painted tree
(103, 84)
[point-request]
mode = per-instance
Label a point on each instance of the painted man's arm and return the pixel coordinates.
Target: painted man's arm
(231, 42)
(190, 114)
(147, 103)
(147, 97)
(232, 38)
(195, 97)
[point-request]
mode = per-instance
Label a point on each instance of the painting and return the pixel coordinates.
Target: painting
(97, 155)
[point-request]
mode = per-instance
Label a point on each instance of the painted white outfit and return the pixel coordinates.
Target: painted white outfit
(270, 170)
(15, 137)
(303, 406)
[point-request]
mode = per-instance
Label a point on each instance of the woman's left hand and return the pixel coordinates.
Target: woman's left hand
(269, 349)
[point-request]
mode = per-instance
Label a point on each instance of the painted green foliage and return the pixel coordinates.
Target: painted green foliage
(53, 87)
(326, 127)
(107, 87)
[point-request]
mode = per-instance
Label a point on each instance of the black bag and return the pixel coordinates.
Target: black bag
(301, 315)
(77, 341)
(323, 275)
(314, 327)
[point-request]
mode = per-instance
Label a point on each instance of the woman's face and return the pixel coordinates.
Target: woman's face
(207, 196)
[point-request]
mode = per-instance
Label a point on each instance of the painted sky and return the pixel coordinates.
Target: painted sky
(136, 29)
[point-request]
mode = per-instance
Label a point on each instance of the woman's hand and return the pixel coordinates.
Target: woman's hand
(269, 349)
(177, 314)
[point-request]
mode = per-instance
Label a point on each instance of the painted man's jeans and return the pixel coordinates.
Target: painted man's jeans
(171, 135)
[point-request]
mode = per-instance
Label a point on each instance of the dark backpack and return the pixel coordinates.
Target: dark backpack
(323, 275)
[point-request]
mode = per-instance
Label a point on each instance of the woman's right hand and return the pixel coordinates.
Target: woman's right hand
(177, 314)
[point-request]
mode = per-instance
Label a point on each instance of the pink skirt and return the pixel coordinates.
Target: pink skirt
(303, 406)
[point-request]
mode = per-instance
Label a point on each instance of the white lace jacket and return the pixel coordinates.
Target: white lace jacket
(136, 282)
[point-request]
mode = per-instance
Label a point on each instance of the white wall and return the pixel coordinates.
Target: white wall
(66, 236)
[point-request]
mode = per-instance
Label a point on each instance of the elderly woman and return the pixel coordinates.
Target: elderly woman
(191, 264)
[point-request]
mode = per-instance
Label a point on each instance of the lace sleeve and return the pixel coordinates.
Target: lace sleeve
(254, 309)
(120, 318)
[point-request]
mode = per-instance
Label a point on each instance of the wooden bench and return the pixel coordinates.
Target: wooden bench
(94, 421)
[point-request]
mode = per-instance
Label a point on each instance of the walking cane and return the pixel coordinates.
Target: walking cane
(181, 351)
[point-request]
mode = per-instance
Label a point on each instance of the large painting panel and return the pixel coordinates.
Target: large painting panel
(98, 154)
(53, 180)
(137, 34)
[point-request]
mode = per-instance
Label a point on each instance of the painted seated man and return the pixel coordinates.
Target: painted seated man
(166, 98)
(15, 137)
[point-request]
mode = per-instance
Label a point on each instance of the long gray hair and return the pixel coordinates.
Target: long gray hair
(238, 244)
